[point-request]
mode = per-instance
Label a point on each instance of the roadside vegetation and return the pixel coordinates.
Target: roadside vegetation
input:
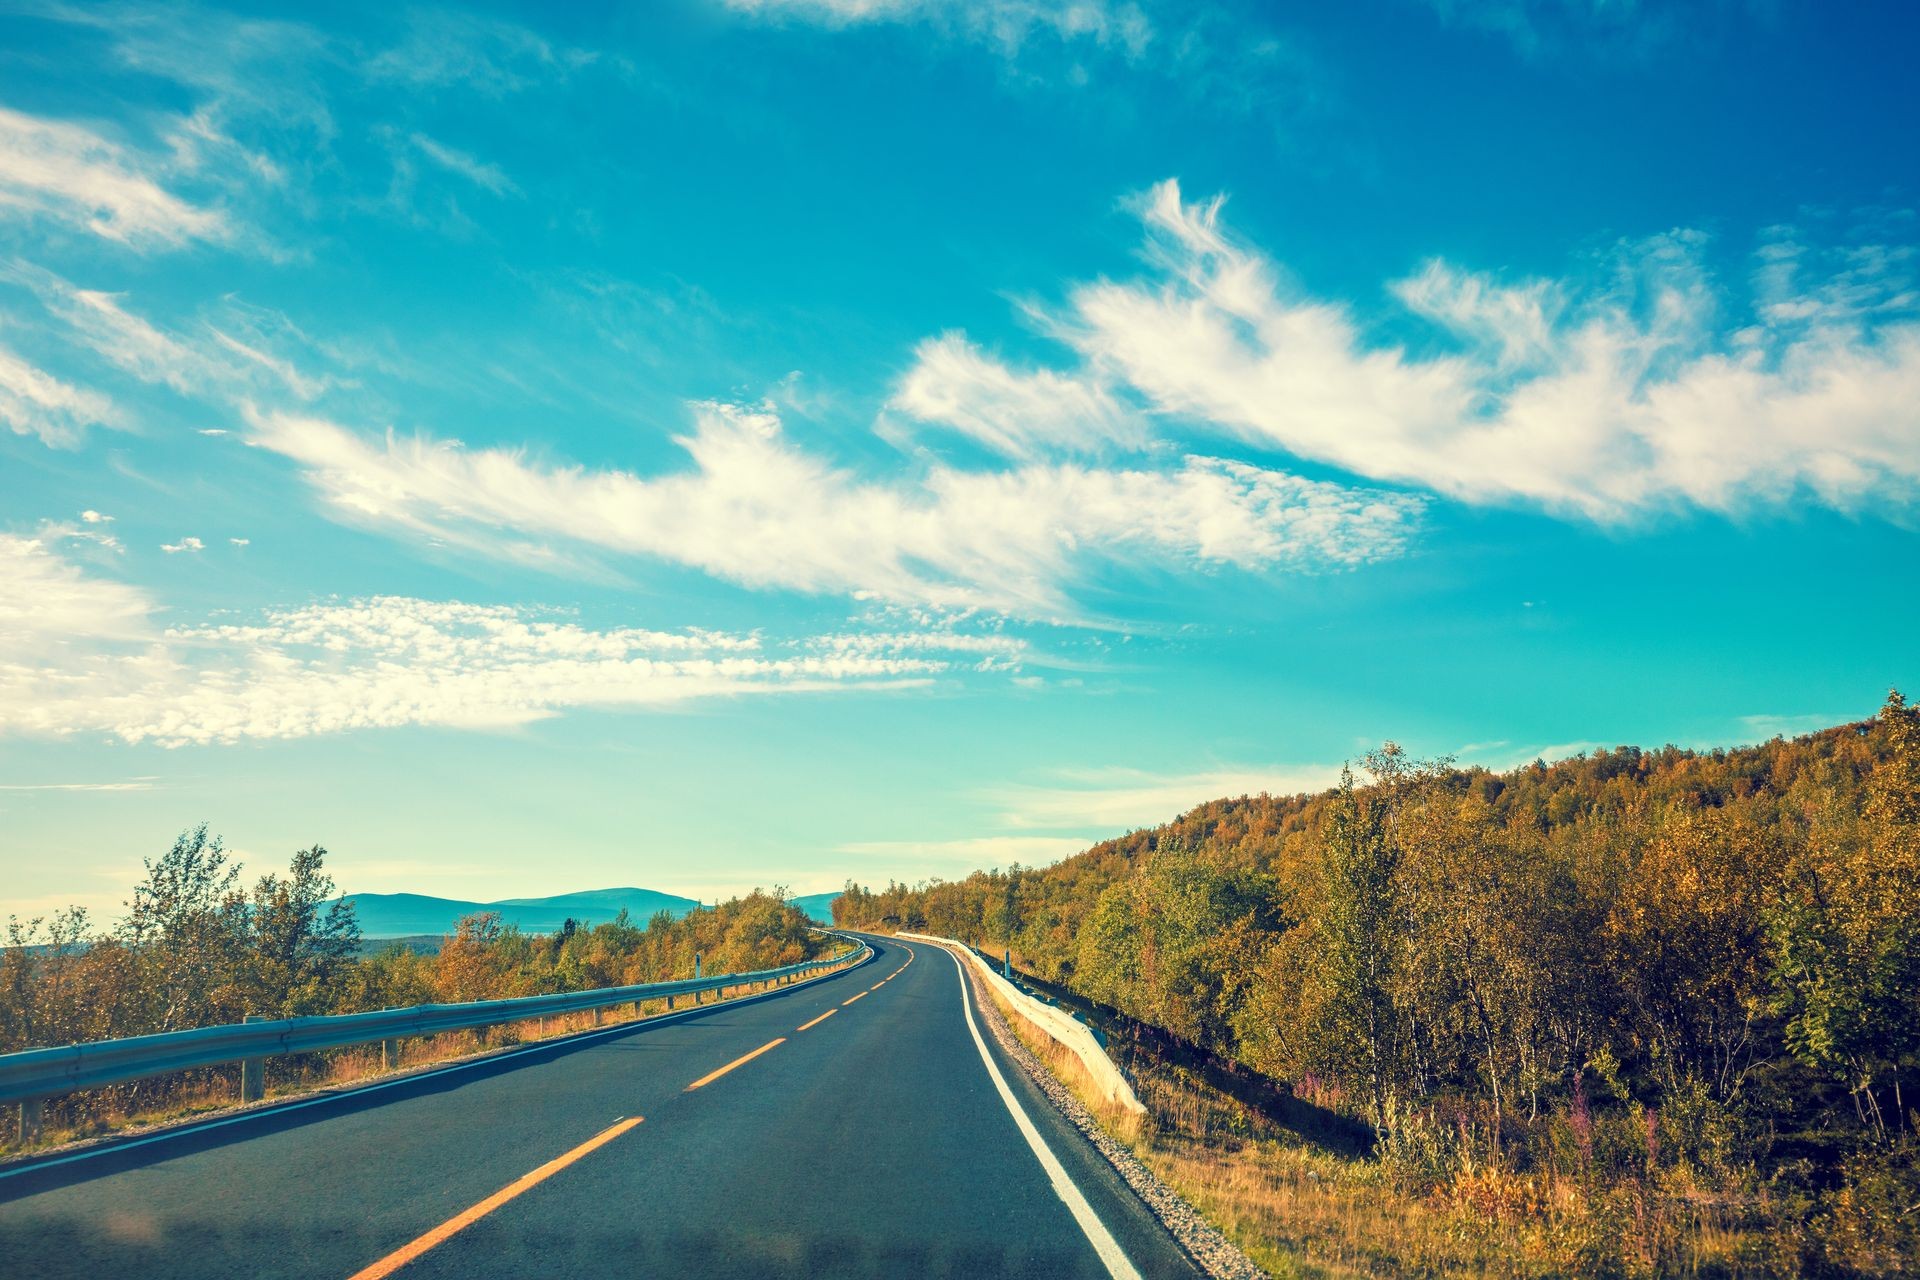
(1637, 1013)
(199, 946)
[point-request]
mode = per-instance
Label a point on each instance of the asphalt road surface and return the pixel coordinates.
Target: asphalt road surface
(861, 1125)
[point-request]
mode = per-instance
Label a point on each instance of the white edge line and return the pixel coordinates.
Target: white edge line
(1114, 1258)
(261, 1113)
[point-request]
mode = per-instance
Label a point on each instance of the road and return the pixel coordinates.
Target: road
(849, 1127)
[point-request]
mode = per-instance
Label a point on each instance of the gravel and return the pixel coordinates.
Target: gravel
(1212, 1252)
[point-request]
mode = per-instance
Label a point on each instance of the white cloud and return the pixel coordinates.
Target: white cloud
(241, 67)
(1115, 800)
(64, 171)
(1765, 728)
(757, 511)
(489, 177)
(1004, 24)
(241, 542)
(35, 403)
(134, 343)
(1021, 415)
(77, 786)
(990, 652)
(80, 655)
(283, 369)
(94, 517)
(1614, 28)
(1606, 404)
(956, 859)
(48, 604)
(1801, 284)
(185, 544)
(444, 48)
(206, 359)
(1501, 756)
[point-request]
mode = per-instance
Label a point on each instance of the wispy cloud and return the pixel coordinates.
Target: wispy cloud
(142, 785)
(1232, 61)
(227, 355)
(1006, 25)
(239, 68)
(1607, 403)
(1609, 27)
(257, 136)
(1765, 728)
(489, 177)
(85, 657)
(444, 48)
(953, 859)
(47, 601)
(1502, 756)
(35, 403)
(66, 172)
(1113, 800)
(758, 511)
(1020, 414)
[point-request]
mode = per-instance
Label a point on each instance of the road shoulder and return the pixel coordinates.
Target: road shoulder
(1199, 1240)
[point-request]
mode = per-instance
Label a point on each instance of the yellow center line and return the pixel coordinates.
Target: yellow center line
(407, 1253)
(711, 1076)
(817, 1021)
(876, 986)
(845, 1003)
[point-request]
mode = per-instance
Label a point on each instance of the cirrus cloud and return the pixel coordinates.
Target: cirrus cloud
(66, 172)
(35, 403)
(757, 510)
(1609, 403)
(82, 654)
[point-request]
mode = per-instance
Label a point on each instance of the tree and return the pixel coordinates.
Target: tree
(1846, 931)
(298, 951)
(1363, 941)
(186, 929)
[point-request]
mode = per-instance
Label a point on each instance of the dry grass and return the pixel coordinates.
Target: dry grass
(1123, 1123)
(1299, 1209)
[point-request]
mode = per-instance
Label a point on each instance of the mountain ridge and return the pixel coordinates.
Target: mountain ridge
(414, 915)
(400, 915)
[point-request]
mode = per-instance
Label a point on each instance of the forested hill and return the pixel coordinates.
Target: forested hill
(1727, 941)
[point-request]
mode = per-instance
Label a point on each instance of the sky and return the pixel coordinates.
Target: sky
(711, 444)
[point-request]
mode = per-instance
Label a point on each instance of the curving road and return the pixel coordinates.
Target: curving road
(860, 1125)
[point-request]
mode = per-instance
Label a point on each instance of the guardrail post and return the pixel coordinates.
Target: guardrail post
(33, 1112)
(253, 1072)
(597, 1012)
(389, 1054)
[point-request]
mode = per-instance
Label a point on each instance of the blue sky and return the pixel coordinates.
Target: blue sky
(714, 444)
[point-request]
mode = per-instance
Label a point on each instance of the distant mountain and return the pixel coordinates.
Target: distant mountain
(818, 905)
(402, 915)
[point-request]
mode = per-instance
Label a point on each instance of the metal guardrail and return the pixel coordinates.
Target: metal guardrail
(34, 1075)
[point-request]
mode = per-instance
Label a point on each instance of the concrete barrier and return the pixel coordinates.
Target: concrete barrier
(1054, 1023)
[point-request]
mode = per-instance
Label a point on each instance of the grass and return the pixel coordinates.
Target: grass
(1299, 1208)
